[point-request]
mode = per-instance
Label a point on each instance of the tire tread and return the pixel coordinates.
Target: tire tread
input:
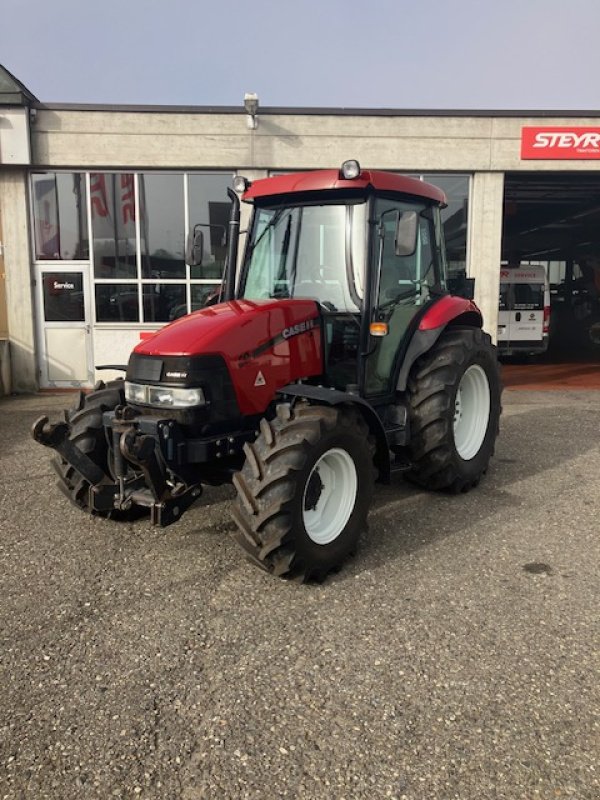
(267, 484)
(431, 384)
(87, 432)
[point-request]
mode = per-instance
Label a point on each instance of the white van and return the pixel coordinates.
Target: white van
(524, 311)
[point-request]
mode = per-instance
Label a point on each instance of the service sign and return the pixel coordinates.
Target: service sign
(558, 143)
(518, 275)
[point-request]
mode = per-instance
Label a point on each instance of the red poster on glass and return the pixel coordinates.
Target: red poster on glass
(559, 143)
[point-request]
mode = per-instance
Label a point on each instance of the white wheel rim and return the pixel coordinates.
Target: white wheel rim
(471, 412)
(331, 503)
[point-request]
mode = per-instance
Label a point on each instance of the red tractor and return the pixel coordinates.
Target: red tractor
(336, 357)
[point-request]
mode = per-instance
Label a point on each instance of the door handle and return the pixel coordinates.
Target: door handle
(88, 329)
(518, 316)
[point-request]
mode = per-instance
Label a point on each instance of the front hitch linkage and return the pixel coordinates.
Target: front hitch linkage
(164, 504)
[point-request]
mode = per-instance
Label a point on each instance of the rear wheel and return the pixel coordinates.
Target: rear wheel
(454, 401)
(88, 433)
(305, 489)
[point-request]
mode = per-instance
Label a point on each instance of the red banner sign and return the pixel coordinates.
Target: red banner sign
(560, 143)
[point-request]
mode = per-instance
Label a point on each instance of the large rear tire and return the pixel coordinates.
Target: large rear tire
(454, 395)
(87, 432)
(305, 490)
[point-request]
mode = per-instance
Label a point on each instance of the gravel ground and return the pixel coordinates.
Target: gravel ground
(455, 657)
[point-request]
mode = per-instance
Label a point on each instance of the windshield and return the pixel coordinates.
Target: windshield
(304, 251)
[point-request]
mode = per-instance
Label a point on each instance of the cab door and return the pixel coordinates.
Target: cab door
(64, 326)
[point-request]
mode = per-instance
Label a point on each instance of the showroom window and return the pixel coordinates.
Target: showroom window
(455, 217)
(60, 216)
(208, 211)
(136, 226)
(138, 223)
(112, 201)
(162, 226)
(162, 245)
(117, 302)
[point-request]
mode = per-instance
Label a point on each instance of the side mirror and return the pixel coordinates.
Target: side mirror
(406, 233)
(195, 247)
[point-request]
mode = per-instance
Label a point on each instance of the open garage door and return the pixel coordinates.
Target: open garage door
(553, 220)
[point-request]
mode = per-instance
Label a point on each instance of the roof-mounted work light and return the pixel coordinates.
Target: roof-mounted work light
(240, 184)
(350, 170)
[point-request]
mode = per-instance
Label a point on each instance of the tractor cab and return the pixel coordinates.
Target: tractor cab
(366, 246)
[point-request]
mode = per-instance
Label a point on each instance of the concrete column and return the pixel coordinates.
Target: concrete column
(485, 244)
(17, 264)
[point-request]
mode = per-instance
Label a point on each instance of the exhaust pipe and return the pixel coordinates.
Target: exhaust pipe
(232, 245)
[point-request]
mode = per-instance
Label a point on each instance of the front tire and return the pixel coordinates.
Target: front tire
(88, 433)
(454, 395)
(305, 490)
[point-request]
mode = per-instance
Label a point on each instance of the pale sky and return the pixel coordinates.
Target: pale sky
(459, 54)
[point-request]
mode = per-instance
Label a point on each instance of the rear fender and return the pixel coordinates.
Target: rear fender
(333, 397)
(466, 314)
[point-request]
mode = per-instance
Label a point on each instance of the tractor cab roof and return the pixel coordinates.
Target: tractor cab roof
(331, 180)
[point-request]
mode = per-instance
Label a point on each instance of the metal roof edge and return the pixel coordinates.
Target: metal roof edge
(317, 111)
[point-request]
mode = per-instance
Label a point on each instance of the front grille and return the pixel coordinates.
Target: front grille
(209, 371)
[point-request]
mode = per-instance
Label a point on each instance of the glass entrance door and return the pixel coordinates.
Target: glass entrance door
(65, 333)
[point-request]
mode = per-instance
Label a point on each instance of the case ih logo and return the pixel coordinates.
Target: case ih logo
(560, 143)
(301, 327)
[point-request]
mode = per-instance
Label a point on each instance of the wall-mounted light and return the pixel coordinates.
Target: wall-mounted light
(251, 106)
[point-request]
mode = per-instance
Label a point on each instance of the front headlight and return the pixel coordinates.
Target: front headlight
(135, 392)
(163, 396)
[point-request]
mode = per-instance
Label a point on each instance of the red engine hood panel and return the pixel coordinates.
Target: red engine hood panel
(228, 329)
(266, 344)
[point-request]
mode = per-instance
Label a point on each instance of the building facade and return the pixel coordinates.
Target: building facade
(96, 204)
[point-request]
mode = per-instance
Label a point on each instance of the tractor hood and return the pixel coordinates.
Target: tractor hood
(264, 344)
(231, 329)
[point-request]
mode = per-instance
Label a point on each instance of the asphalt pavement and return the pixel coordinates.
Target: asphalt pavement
(455, 657)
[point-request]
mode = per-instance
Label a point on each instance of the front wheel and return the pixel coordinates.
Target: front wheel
(89, 434)
(454, 404)
(305, 489)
